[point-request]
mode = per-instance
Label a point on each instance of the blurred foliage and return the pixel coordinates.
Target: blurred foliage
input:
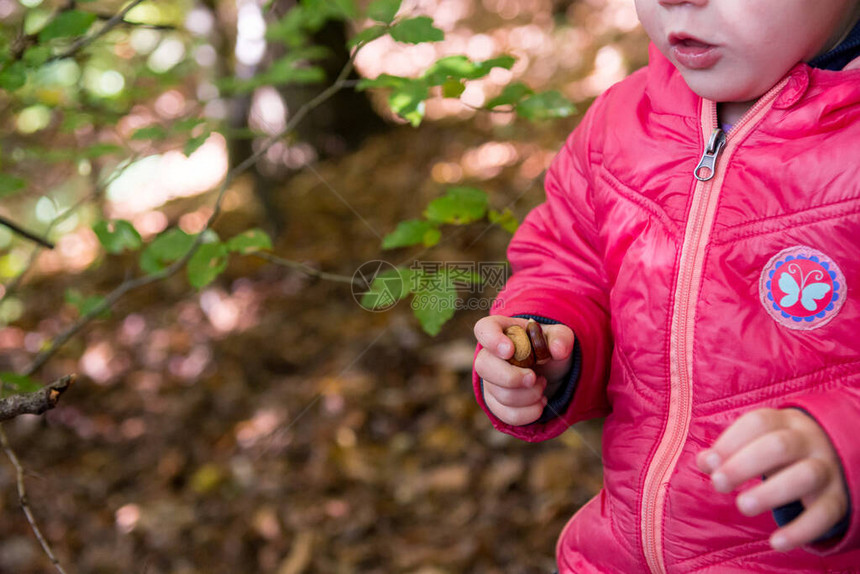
(75, 77)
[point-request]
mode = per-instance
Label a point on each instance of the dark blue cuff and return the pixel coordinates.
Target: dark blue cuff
(785, 514)
(558, 403)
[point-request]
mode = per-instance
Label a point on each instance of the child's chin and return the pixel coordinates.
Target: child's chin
(715, 88)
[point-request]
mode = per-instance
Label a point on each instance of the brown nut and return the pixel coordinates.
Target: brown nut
(538, 342)
(523, 356)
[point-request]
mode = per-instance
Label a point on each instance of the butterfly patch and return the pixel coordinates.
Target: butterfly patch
(802, 288)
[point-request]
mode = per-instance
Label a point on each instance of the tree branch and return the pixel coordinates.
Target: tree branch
(162, 27)
(85, 41)
(24, 233)
(37, 402)
(25, 504)
(307, 269)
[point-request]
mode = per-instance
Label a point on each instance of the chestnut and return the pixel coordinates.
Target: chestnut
(530, 346)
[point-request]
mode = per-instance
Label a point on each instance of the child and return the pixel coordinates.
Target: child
(696, 268)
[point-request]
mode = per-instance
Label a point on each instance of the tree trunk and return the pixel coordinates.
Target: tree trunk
(334, 128)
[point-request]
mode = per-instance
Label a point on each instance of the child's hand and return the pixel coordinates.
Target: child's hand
(515, 395)
(795, 453)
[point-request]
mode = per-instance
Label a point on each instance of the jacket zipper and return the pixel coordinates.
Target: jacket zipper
(709, 180)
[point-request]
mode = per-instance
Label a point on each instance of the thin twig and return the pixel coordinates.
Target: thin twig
(37, 402)
(140, 25)
(85, 41)
(307, 269)
(24, 233)
(25, 505)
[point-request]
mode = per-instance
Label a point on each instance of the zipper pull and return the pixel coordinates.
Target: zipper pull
(707, 165)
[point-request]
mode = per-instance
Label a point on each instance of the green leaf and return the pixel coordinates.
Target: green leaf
(450, 67)
(453, 88)
(407, 101)
(37, 55)
(434, 307)
(73, 120)
(165, 249)
(505, 219)
(193, 144)
(291, 29)
(283, 73)
(383, 81)
(545, 106)
(330, 9)
(388, 288)
(149, 133)
(510, 96)
(67, 23)
(460, 205)
(117, 236)
(187, 124)
(13, 76)
(383, 10)
(209, 261)
(249, 242)
(19, 383)
(85, 305)
(99, 150)
(416, 31)
(9, 184)
(368, 35)
(461, 67)
(413, 232)
(506, 62)
(345, 9)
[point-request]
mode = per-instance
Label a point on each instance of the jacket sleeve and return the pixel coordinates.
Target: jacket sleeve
(558, 275)
(837, 412)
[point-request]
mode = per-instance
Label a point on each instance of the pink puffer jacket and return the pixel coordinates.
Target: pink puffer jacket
(695, 301)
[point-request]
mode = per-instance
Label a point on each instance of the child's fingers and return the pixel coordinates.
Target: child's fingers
(802, 479)
(747, 428)
(490, 334)
(499, 372)
(764, 455)
(517, 398)
(817, 519)
(516, 416)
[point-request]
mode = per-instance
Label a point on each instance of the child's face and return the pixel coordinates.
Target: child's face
(736, 50)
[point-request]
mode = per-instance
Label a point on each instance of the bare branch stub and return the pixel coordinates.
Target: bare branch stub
(37, 402)
(15, 228)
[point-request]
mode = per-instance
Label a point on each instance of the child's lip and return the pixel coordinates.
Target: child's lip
(681, 39)
(693, 53)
